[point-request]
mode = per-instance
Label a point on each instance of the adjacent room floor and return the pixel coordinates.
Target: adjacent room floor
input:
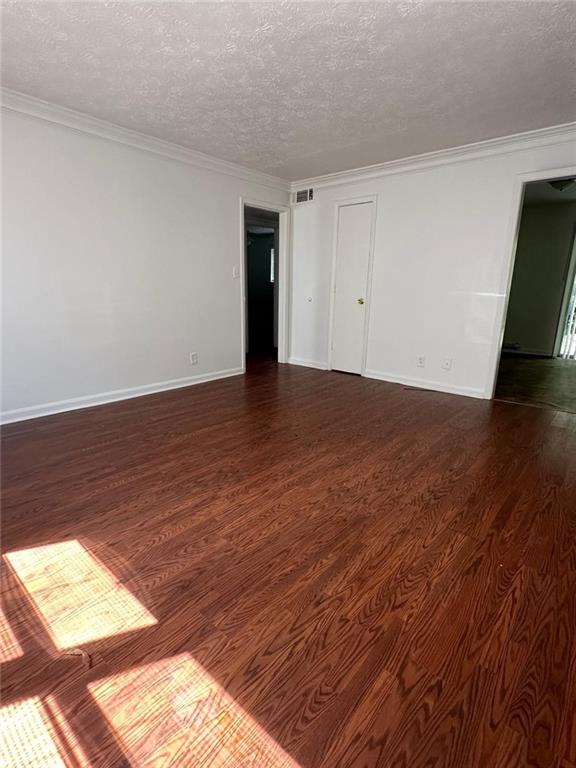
(544, 381)
(292, 568)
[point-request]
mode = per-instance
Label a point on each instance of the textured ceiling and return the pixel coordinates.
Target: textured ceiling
(299, 89)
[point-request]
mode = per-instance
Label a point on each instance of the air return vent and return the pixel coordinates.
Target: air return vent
(303, 196)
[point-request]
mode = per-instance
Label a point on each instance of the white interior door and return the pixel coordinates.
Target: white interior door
(354, 236)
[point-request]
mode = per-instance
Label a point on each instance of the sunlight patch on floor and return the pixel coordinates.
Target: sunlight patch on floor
(9, 646)
(33, 734)
(172, 712)
(167, 713)
(76, 596)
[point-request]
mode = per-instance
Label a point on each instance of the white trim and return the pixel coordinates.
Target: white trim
(427, 384)
(569, 278)
(514, 217)
(285, 288)
(557, 134)
(308, 363)
(284, 276)
(89, 401)
(336, 212)
(13, 101)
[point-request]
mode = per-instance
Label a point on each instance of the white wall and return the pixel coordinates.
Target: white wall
(117, 263)
(444, 238)
(540, 271)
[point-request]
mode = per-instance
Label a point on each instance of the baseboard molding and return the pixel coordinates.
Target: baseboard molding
(76, 403)
(308, 363)
(436, 386)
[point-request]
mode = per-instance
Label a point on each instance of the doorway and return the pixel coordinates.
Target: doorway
(262, 228)
(537, 362)
(351, 283)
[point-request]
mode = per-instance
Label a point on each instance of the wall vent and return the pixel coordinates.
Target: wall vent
(303, 196)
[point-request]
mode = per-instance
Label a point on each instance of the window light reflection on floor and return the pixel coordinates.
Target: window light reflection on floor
(77, 598)
(9, 646)
(174, 708)
(34, 734)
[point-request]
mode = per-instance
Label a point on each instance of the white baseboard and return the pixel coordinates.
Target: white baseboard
(436, 386)
(75, 403)
(308, 363)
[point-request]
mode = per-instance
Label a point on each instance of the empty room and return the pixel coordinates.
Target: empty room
(288, 398)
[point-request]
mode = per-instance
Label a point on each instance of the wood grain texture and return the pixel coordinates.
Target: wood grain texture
(340, 573)
(548, 382)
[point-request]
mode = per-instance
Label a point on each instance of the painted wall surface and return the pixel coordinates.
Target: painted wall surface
(540, 270)
(443, 247)
(117, 263)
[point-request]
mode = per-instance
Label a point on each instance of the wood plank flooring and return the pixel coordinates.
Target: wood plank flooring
(547, 382)
(294, 568)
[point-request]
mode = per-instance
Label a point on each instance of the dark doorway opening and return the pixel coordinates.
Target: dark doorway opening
(538, 360)
(261, 232)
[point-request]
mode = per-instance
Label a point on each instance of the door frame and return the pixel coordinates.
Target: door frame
(284, 275)
(343, 203)
(507, 273)
(569, 278)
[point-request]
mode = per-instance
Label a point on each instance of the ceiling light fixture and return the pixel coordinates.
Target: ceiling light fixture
(562, 184)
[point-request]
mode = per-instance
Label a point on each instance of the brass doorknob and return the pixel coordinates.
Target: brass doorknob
(360, 301)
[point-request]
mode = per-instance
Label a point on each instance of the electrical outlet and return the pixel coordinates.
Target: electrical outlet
(420, 361)
(235, 272)
(447, 363)
(193, 358)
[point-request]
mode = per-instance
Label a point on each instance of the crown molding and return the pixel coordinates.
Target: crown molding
(13, 101)
(556, 134)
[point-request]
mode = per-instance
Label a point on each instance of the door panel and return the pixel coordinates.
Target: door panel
(350, 300)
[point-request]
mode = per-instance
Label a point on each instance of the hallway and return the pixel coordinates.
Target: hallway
(546, 382)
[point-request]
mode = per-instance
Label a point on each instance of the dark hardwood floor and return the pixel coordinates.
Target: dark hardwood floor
(547, 382)
(292, 568)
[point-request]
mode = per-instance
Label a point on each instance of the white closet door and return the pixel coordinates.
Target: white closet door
(350, 301)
